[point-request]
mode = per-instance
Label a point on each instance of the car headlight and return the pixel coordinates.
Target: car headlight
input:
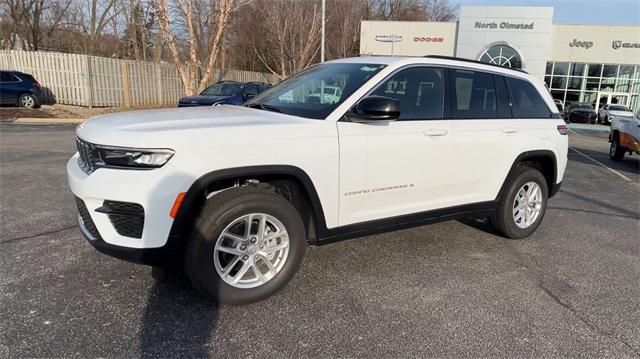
(122, 157)
(218, 103)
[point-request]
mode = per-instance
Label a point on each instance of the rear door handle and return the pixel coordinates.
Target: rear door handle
(509, 130)
(435, 132)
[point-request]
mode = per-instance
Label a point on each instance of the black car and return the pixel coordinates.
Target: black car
(19, 89)
(224, 93)
(580, 112)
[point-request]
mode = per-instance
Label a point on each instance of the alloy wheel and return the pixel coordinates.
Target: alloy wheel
(251, 250)
(527, 205)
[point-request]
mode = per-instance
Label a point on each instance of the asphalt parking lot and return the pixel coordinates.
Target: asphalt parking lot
(451, 289)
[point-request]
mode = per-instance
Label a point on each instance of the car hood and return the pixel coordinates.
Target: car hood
(620, 113)
(199, 99)
(177, 127)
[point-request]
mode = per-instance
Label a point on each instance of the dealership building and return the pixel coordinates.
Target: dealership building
(586, 63)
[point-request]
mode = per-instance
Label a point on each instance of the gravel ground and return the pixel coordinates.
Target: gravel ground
(450, 290)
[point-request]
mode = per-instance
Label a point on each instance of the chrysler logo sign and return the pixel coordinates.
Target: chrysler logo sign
(388, 38)
(625, 45)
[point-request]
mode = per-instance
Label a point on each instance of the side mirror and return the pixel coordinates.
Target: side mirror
(375, 108)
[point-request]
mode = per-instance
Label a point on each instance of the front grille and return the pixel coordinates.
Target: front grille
(87, 222)
(88, 155)
(127, 218)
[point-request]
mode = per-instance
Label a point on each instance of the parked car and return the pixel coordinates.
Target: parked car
(19, 89)
(580, 112)
(236, 193)
(624, 136)
(224, 93)
(326, 94)
(606, 112)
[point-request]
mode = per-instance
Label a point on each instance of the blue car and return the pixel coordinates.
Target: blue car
(224, 93)
(19, 89)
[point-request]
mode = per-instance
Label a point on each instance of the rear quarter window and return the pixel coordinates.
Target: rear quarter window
(525, 100)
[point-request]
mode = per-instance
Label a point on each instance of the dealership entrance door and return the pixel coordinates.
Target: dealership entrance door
(605, 98)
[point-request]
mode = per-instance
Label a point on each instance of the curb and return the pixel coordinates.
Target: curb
(48, 121)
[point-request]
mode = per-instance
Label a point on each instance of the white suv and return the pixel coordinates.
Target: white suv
(236, 193)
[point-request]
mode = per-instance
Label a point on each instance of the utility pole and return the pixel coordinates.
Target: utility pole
(322, 31)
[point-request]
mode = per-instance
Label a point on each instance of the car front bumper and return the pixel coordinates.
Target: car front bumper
(155, 191)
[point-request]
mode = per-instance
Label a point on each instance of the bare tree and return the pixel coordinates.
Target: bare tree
(286, 37)
(187, 11)
(440, 10)
(31, 21)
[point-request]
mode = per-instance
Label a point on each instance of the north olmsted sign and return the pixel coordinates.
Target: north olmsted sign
(505, 25)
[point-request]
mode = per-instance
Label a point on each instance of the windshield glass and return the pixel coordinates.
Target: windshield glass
(317, 91)
(582, 105)
(223, 89)
(618, 108)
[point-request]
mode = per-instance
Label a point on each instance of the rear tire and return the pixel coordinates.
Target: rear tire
(616, 152)
(212, 255)
(519, 218)
(27, 101)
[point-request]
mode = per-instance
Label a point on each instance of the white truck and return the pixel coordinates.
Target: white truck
(235, 194)
(624, 136)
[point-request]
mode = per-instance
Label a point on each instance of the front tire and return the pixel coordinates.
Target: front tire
(247, 243)
(522, 205)
(616, 152)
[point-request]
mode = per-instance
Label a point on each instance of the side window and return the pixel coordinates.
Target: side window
(526, 101)
(502, 95)
(419, 90)
(251, 90)
(473, 95)
(8, 77)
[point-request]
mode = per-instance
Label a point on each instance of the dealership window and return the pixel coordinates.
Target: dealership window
(419, 90)
(609, 70)
(594, 70)
(575, 83)
(559, 82)
(501, 54)
(593, 83)
(577, 69)
(561, 68)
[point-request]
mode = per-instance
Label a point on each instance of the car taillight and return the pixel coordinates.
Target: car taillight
(38, 86)
(562, 129)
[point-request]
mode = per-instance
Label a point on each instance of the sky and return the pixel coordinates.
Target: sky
(584, 12)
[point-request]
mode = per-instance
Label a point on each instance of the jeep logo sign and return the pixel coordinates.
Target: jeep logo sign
(585, 44)
(625, 45)
(388, 38)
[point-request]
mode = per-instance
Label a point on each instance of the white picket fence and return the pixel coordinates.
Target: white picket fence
(103, 82)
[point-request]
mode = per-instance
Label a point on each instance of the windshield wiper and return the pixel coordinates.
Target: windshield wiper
(264, 107)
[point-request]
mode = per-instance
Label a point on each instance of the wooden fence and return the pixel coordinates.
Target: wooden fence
(103, 82)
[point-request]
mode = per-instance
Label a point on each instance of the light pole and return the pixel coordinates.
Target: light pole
(322, 32)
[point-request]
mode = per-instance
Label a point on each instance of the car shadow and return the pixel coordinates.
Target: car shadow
(629, 165)
(178, 321)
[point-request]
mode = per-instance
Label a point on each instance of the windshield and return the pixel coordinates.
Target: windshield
(223, 89)
(582, 105)
(618, 108)
(317, 91)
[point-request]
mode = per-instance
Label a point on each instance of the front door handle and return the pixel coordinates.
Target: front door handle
(435, 132)
(509, 130)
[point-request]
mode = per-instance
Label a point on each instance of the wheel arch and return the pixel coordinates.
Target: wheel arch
(227, 178)
(543, 160)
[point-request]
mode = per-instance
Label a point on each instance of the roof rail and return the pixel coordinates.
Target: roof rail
(442, 57)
